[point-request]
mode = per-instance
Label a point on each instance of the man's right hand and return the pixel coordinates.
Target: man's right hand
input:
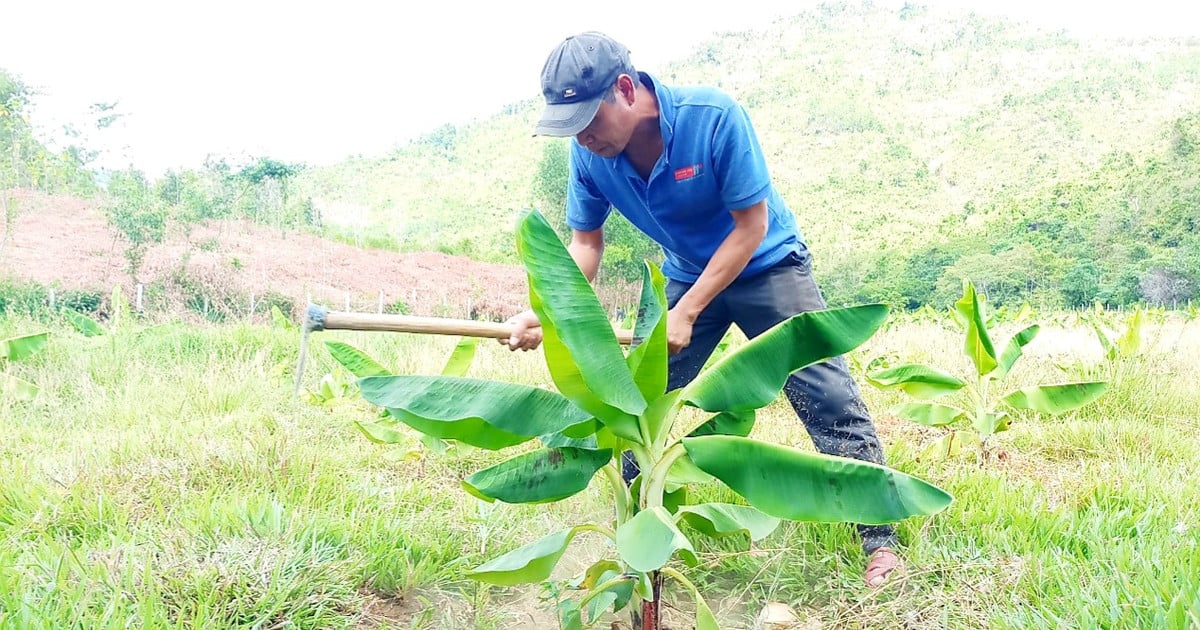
(526, 332)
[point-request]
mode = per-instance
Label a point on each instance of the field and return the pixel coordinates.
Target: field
(167, 477)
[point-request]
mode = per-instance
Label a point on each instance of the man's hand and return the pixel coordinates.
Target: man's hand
(679, 330)
(749, 228)
(526, 332)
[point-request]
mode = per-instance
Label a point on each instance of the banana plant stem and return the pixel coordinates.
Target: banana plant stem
(619, 490)
(652, 488)
(599, 529)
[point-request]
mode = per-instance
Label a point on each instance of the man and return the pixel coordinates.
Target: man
(684, 165)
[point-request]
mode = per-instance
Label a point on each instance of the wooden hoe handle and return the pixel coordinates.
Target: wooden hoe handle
(321, 319)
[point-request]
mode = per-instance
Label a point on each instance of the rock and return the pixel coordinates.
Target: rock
(775, 616)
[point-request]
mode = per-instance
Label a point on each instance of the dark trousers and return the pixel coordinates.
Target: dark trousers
(824, 396)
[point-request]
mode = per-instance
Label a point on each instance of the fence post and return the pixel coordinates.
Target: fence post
(139, 297)
(381, 301)
(469, 308)
(347, 301)
(52, 298)
(251, 313)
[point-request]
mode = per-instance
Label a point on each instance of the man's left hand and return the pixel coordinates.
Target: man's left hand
(679, 331)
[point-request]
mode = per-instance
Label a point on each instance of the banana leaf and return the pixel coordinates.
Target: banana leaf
(648, 359)
(919, 381)
(354, 360)
(726, 519)
(1013, 351)
(647, 541)
(929, 414)
(989, 423)
(752, 376)
(739, 423)
(1056, 399)
(85, 325)
(582, 353)
(617, 592)
(23, 347)
(803, 486)
(380, 433)
(978, 346)
(482, 413)
(461, 357)
(529, 564)
(541, 476)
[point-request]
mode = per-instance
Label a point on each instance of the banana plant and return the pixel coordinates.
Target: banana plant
(1120, 350)
(1119, 346)
(608, 402)
(984, 414)
(16, 349)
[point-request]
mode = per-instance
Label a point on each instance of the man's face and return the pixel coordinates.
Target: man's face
(610, 130)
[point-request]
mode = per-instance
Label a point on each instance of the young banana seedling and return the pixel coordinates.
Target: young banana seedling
(984, 414)
(608, 402)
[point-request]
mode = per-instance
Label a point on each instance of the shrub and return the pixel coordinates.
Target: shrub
(22, 297)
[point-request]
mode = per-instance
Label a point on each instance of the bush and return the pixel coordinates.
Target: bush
(208, 292)
(22, 297)
(81, 300)
(396, 308)
(285, 303)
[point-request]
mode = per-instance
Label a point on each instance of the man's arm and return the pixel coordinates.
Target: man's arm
(734, 253)
(586, 248)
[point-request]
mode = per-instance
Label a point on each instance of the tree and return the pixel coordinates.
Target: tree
(137, 214)
(1186, 136)
(15, 141)
(1081, 285)
(1119, 288)
(1005, 277)
(269, 180)
(550, 184)
(1161, 287)
(626, 249)
(442, 141)
(921, 272)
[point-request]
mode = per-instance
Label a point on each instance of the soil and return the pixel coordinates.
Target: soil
(66, 243)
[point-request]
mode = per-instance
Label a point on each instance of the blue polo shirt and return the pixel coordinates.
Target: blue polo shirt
(711, 164)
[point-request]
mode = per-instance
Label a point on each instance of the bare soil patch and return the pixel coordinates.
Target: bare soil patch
(65, 242)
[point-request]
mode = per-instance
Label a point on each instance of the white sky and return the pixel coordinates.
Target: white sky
(317, 83)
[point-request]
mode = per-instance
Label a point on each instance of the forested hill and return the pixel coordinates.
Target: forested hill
(915, 146)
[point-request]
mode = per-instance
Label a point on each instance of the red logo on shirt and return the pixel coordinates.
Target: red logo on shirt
(688, 172)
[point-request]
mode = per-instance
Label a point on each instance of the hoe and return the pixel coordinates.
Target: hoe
(320, 318)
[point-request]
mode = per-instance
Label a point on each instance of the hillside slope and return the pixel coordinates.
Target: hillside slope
(217, 268)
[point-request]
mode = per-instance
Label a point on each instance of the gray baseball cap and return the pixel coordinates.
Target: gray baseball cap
(575, 79)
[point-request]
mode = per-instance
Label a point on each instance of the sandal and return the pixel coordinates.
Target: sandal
(882, 563)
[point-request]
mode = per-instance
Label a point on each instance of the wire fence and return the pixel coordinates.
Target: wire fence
(258, 306)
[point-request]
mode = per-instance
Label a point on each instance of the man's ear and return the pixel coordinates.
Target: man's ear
(627, 87)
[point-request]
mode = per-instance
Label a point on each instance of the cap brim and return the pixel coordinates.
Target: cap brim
(567, 119)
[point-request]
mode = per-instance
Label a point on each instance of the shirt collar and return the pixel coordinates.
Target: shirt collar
(666, 107)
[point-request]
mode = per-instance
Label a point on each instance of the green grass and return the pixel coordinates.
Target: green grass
(167, 478)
